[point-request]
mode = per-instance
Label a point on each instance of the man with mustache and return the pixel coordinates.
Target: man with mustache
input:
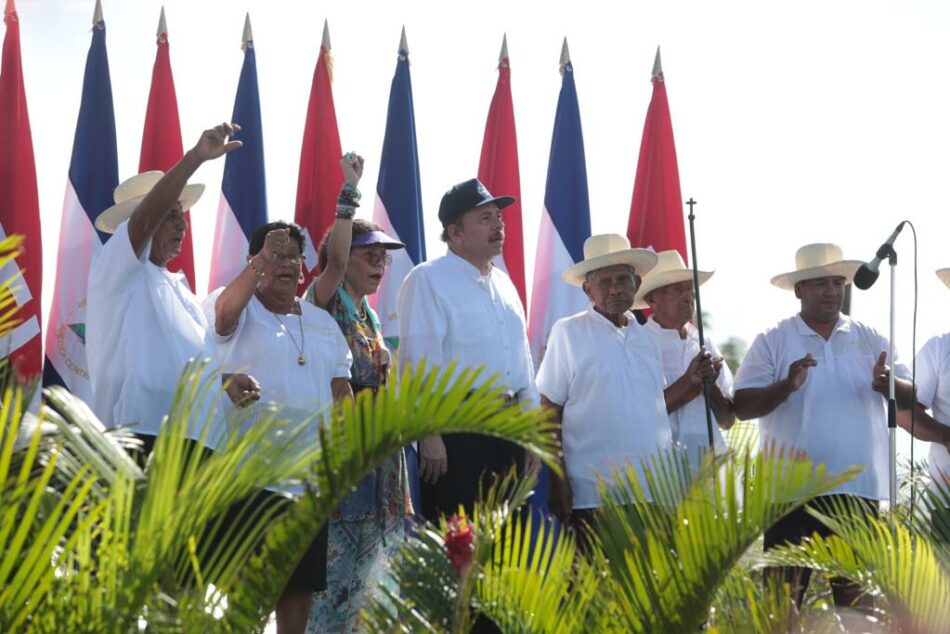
(668, 291)
(461, 307)
(602, 381)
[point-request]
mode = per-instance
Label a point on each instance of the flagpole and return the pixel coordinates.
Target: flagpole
(699, 318)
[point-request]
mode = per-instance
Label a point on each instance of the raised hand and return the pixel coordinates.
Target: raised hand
(276, 241)
(880, 374)
(214, 142)
(352, 166)
(798, 371)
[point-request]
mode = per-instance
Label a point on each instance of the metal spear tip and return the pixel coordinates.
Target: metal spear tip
(325, 43)
(162, 26)
(657, 66)
(97, 16)
(504, 48)
(248, 37)
(403, 43)
(565, 53)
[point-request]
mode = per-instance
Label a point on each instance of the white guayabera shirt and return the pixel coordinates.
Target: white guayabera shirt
(448, 311)
(933, 392)
(143, 325)
(835, 418)
(609, 382)
(688, 423)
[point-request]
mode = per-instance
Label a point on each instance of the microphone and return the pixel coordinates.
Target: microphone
(868, 272)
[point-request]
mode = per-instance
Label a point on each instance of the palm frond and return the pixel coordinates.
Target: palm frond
(667, 562)
(888, 557)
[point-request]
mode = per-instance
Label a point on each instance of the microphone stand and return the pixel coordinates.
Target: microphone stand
(891, 393)
(699, 322)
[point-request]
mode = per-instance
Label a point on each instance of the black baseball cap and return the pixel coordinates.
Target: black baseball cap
(468, 195)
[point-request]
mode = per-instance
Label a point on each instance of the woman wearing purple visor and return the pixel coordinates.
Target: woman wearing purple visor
(369, 526)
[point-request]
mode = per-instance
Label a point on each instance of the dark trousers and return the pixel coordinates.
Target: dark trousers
(474, 461)
(795, 527)
(311, 572)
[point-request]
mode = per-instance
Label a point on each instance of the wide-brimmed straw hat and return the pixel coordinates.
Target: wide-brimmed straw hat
(608, 249)
(669, 269)
(817, 260)
(130, 193)
(944, 275)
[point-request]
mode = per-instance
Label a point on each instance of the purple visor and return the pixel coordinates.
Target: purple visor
(377, 237)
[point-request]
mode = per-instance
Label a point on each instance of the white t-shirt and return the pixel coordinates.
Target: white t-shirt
(143, 325)
(609, 382)
(835, 418)
(933, 392)
(688, 423)
(449, 311)
(266, 345)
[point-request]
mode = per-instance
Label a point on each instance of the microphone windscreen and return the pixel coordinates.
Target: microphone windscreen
(865, 277)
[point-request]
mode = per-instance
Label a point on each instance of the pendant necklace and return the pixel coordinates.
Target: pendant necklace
(301, 360)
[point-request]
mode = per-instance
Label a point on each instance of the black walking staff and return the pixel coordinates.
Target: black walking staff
(699, 321)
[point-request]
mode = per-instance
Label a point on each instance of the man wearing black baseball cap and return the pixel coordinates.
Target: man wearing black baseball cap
(462, 308)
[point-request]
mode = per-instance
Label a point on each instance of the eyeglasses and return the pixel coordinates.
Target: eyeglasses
(287, 257)
(375, 257)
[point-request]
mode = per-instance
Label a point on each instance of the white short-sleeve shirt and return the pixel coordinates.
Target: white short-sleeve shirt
(688, 423)
(835, 418)
(933, 392)
(448, 311)
(609, 382)
(143, 325)
(266, 345)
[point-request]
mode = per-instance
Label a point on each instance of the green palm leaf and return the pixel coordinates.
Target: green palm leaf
(667, 561)
(889, 557)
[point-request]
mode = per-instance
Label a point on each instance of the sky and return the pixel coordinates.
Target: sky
(800, 122)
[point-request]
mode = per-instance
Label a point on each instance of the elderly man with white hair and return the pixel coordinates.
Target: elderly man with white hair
(668, 291)
(602, 380)
(816, 382)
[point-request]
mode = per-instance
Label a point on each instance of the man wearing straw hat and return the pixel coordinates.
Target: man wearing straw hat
(602, 380)
(816, 382)
(143, 323)
(668, 291)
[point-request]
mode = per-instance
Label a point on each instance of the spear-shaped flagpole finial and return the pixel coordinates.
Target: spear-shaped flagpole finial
(657, 66)
(504, 48)
(162, 26)
(325, 43)
(565, 57)
(247, 39)
(403, 43)
(97, 16)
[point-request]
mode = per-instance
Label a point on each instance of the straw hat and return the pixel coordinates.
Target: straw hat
(944, 275)
(669, 269)
(130, 193)
(608, 249)
(817, 260)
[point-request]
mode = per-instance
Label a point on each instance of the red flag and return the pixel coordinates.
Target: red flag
(320, 178)
(656, 213)
(498, 170)
(161, 139)
(19, 206)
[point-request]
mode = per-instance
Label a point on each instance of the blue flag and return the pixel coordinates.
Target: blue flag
(93, 176)
(243, 206)
(399, 194)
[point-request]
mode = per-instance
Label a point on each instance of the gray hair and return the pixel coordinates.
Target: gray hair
(590, 274)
